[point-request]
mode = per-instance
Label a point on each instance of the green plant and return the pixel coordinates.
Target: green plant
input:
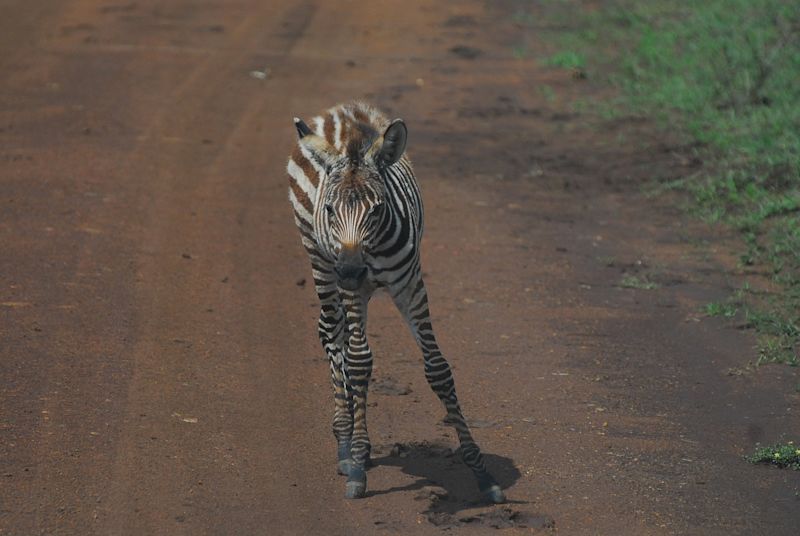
(786, 455)
(780, 349)
(567, 59)
(634, 281)
(607, 260)
(721, 309)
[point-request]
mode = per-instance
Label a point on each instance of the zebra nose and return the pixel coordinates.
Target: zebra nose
(351, 272)
(350, 267)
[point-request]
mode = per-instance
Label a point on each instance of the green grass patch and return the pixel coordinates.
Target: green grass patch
(567, 59)
(786, 455)
(634, 281)
(773, 349)
(725, 74)
(726, 310)
(778, 328)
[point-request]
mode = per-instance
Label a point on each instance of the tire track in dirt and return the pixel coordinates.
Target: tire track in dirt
(196, 203)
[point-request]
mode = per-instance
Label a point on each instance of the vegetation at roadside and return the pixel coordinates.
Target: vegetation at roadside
(567, 59)
(786, 455)
(634, 281)
(778, 329)
(725, 73)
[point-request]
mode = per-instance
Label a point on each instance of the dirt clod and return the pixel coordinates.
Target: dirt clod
(432, 494)
(466, 52)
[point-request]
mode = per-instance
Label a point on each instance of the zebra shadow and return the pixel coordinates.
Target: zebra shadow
(442, 479)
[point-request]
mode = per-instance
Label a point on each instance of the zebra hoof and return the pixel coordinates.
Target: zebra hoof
(345, 466)
(356, 486)
(495, 494)
(355, 490)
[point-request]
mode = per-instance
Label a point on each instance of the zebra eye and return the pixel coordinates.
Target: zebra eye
(329, 209)
(376, 209)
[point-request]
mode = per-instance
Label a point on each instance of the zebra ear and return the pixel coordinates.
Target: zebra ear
(302, 128)
(394, 142)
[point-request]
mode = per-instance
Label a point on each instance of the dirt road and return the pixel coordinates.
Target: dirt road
(160, 367)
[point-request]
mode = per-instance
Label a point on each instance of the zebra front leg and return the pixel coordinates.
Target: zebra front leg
(342, 413)
(358, 367)
(332, 335)
(413, 304)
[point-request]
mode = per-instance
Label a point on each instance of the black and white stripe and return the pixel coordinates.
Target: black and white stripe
(359, 211)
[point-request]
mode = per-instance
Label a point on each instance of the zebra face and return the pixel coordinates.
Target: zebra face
(354, 208)
(353, 203)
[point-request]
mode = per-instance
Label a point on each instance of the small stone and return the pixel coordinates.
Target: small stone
(260, 75)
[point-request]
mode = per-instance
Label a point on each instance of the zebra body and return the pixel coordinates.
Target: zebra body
(359, 211)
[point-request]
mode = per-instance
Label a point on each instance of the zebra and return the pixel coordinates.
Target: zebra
(359, 211)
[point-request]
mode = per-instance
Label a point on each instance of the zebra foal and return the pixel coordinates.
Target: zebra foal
(359, 211)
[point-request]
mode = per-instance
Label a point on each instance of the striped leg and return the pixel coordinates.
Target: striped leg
(358, 364)
(413, 304)
(332, 336)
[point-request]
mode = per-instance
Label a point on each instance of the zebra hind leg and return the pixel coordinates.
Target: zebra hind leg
(414, 307)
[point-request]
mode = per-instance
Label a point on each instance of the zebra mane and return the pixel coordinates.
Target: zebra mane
(362, 139)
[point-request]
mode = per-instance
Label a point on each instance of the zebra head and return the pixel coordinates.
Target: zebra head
(353, 204)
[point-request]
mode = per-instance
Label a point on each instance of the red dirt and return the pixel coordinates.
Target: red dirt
(161, 370)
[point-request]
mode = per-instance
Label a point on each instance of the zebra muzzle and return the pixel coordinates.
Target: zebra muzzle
(350, 276)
